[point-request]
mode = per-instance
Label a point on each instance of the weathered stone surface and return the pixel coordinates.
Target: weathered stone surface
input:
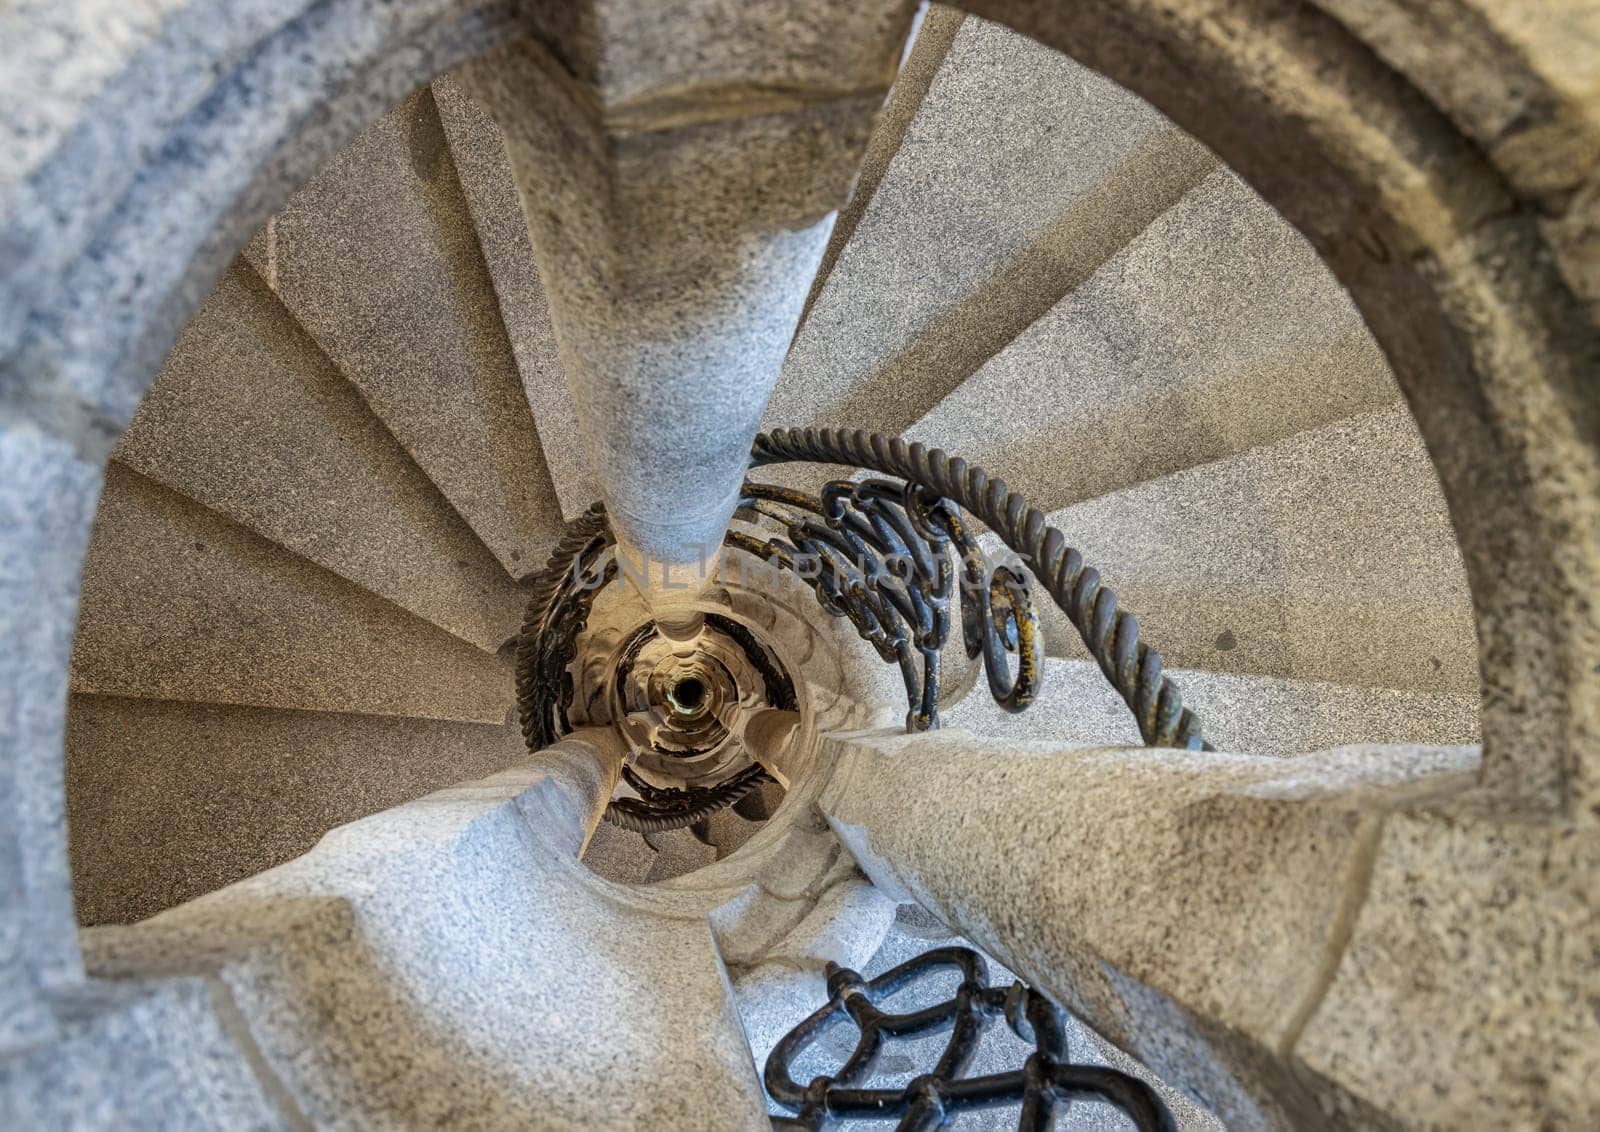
(1256, 715)
(1326, 556)
(191, 124)
(1456, 277)
(104, 323)
(618, 854)
(69, 59)
(484, 170)
(251, 419)
(449, 961)
(1468, 993)
(925, 54)
(169, 800)
(677, 853)
(678, 180)
(1199, 944)
(179, 603)
(161, 1058)
(1303, 107)
(1522, 82)
(1020, 175)
(1214, 330)
(378, 257)
(725, 831)
(847, 926)
(47, 496)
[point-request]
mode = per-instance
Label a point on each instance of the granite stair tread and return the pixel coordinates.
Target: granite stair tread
(1021, 173)
(251, 419)
(490, 191)
(181, 603)
(677, 852)
(619, 854)
(169, 800)
(378, 258)
(725, 831)
(1325, 556)
(1249, 715)
(925, 53)
(1217, 329)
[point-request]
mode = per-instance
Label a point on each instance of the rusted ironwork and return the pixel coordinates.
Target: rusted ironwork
(885, 555)
(559, 601)
(933, 479)
(1047, 1079)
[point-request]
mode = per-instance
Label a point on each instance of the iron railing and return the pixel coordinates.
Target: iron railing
(892, 556)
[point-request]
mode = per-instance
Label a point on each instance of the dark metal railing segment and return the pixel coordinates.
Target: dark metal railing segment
(1046, 1080)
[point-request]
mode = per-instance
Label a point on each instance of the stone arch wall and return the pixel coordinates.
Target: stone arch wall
(142, 150)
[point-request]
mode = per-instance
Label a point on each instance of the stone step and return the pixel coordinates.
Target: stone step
(179, 603)
(169, 800)
(1021, 174)
(1326, 556)
(378, 258)
(1247, 715)
(677, 852)
(925, 53)
(484, 170)
(725, 831)
(619, 854)
(1250, 927)
(1217, 329)
(251, 419)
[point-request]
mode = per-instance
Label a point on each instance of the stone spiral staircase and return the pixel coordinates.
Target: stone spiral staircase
(291, 733)
(314, 529)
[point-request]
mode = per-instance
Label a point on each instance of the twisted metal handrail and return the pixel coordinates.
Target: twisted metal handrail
(557, 611)
(657, 810)
(1047, 1078)
(1110, 634)
(885, 557)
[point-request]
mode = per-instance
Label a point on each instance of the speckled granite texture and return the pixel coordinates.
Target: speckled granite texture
(180, 603)
(171, 800)
(385, 977)
(1398, 938)
(1246, 715)
(251, 419)
(491, 195)
(1121, 887)
(379, 259)
(1021, 173)
(1214, 330)
(1326, 556)
(678, 218)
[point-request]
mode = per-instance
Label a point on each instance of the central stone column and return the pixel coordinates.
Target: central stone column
(679, 168)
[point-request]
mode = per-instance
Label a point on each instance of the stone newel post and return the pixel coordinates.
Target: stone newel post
(679, 177)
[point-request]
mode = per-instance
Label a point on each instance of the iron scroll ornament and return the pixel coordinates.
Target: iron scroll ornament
(1110, 633)
(892, 556)
(1047, 1079)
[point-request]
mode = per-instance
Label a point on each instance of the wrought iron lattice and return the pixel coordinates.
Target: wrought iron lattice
(1047, 1079)
(892, 556)
(936, 483)
(882, 554)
